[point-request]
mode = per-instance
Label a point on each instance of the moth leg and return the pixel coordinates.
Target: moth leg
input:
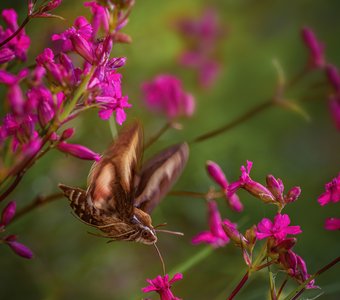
(109, 225)
(81, 220)
(99, 234)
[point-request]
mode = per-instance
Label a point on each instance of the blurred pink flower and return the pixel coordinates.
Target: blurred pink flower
(8, 213)
(162, 285)
(20, 43)
(332, 193)
(278, 229)
(332, 224)
(315, 47)
(100, 18)
(219, 177)
(216, 235)
(165, 94)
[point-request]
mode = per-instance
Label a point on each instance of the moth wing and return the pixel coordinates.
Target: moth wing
(111, 180)
(159, 174)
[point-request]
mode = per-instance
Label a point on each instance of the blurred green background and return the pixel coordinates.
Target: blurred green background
(70, 264)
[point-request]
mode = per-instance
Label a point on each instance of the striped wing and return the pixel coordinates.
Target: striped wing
(159, 174)
(111, 180)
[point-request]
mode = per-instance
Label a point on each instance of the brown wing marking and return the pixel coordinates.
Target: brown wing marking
(81, 205)
(111, 179)
(158, 176)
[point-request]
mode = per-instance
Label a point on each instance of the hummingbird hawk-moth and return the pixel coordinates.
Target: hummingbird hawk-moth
(121, 194)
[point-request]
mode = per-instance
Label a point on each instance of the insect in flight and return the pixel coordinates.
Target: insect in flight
(121, 195)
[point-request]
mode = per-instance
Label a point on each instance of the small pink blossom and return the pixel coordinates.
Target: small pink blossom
(278, 229)
(315, 47)
(332, 193)
(162, 285)
(216, 235)
(165, 94)
(332, 224)
(100, 19)
(219, 177)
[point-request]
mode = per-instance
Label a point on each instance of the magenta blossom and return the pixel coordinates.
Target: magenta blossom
(332, 224)
(316, 48)
(18, 248)
(8, 214)
(100, 19)
(278, 229)
(165, 94)
(332, 193)
(219, 177)
(253, 187)
(216, 235)
(162, 286)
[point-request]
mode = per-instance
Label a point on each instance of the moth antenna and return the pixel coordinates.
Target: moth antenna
(160, 257)
(98, 234)
(160, 225)
(170, 231)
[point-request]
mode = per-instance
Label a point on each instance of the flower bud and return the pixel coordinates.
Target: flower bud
(78, 151)
(276, 187)
(6, 55)
(82, 47)
(122, 38)
(45, 113)
(67, 133)
(284, 245)
(216, 174)
(259, 191)
(18, 248)
(333, 77)
(8, 213)
(116, 62)
(293, 194)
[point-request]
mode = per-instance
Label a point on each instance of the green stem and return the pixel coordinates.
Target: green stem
(157, 135)
(191, 262)
(248, 115)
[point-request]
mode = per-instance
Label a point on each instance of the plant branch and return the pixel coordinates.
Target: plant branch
(239, 286)
(37, 202)
(248, 115)
(157, 135)
(14, 34)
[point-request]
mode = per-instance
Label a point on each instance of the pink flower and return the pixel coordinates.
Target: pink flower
(162, 286)
(278, 229)
(78, 151)
(219, 177)
(332, 224)
(332, 193)
(165, 94)
(216, 235)
(316, 48)
(101, 17)
(333, 76)
(253, 187)
(21, 42)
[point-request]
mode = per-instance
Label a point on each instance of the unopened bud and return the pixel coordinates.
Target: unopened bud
(276, 187)
(293, 194)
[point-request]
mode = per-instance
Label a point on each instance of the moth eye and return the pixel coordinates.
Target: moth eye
(145, 234)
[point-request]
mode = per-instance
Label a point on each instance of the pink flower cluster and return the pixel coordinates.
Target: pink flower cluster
(56, 90)
(202, 37)
(11, 240)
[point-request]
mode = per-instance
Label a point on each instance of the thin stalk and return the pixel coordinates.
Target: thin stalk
(282, 287)
(299, 290)
(14, 34)
(157, 135)
(248, 115)
(192, 261)
(239, 286)
(37, 202)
